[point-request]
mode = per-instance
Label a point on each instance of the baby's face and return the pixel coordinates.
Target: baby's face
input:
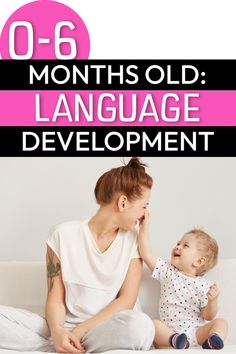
(185, 254)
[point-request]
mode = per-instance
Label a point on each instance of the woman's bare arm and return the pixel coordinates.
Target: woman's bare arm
(126, 298)
(55, 305)
(55, 311)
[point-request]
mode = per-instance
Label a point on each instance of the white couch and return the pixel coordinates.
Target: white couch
(23, 284)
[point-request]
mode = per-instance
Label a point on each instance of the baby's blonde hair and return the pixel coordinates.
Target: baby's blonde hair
(209, 249)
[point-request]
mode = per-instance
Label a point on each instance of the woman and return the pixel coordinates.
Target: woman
(94, 273)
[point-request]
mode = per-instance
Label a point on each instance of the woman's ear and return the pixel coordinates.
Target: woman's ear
(122, 202)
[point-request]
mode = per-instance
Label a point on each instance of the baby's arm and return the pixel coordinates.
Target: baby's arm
(209, 312)
(144, 243)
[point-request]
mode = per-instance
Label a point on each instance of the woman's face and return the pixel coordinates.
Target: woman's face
(134, 210)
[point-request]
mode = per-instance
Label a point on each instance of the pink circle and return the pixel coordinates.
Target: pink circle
(43, 16)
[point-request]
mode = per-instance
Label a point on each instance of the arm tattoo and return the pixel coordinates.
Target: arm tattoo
(53, 269)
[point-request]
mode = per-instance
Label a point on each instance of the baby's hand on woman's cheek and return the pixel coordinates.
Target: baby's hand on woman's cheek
(144, 223)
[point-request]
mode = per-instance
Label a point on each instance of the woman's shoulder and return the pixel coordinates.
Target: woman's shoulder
(67, 226)
(65, 235)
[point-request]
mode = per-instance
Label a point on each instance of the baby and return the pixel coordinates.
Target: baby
(187, 300)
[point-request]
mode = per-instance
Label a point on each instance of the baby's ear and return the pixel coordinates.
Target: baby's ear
(199, 262)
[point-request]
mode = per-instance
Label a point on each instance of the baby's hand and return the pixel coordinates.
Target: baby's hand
(144, 223)
(213, 292)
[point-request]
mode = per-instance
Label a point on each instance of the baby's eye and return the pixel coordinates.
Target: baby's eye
(186, 246)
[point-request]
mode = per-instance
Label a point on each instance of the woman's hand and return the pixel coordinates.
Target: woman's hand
(66, 342)
(80, 330)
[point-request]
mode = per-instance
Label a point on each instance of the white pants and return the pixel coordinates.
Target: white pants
(26, 331)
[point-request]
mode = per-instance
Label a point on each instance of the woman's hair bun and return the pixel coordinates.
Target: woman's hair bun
(136, 162)
(129, 179)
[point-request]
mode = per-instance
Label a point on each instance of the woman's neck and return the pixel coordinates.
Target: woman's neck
(103, 224)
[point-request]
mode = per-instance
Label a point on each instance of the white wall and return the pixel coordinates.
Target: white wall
(36, 193)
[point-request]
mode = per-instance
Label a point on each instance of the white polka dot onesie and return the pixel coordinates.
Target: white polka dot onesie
(181, 300)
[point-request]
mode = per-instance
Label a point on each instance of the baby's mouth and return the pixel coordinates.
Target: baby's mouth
(176, 254)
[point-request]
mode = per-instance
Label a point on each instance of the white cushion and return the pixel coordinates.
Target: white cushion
(23, 284)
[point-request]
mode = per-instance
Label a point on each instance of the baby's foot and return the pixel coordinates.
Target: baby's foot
(213, 342)
(179, 341)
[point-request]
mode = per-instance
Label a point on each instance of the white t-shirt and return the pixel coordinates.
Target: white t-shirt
(92, 278)
(182, 297)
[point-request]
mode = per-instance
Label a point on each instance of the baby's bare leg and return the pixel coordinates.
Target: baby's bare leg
(213, 334)
(218, 326)
(165, 337)
(162, 335)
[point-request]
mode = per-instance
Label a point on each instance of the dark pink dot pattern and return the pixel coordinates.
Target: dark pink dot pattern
(181, 298)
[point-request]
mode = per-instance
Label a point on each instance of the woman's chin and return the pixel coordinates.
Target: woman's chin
(127, 227)
(131, 227)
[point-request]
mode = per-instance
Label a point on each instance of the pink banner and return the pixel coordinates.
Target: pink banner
(127, 108)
